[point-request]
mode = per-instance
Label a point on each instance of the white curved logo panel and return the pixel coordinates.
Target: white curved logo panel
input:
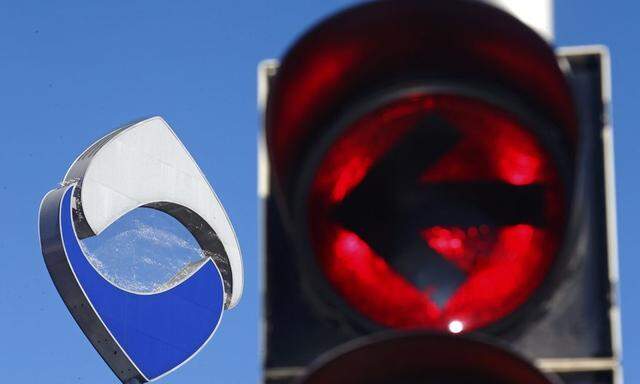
(145, 163)
(141, 336)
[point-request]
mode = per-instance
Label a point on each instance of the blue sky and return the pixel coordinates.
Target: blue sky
(72, 71)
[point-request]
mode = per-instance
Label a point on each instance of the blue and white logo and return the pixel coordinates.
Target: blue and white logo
(141, 336)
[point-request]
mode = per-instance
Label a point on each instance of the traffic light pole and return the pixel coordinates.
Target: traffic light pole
(538, 14)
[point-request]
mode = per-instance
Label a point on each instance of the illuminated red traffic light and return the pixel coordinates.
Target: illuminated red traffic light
(435, 166)
(479, 190)
(427, 170)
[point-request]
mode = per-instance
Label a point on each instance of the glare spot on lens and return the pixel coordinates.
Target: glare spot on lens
(456, 326)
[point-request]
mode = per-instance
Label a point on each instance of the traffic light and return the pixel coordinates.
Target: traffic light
(436, 166)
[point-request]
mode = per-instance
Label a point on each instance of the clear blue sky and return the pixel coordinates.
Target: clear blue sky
(72, 71)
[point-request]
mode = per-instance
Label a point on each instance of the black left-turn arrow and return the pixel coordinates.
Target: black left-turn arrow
(391, 206)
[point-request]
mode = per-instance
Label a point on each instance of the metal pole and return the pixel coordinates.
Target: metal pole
(537, 14)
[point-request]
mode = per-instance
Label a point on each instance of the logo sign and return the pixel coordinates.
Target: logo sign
(141, 336)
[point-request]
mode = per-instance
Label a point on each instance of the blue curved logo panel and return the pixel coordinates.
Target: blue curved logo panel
(157, 331)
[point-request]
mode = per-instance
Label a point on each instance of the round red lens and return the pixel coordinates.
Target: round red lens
(438, 212)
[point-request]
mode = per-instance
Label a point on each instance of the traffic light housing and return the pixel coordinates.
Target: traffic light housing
(434, 165)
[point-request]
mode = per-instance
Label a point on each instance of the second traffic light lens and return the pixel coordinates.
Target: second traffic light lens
(422, 358)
